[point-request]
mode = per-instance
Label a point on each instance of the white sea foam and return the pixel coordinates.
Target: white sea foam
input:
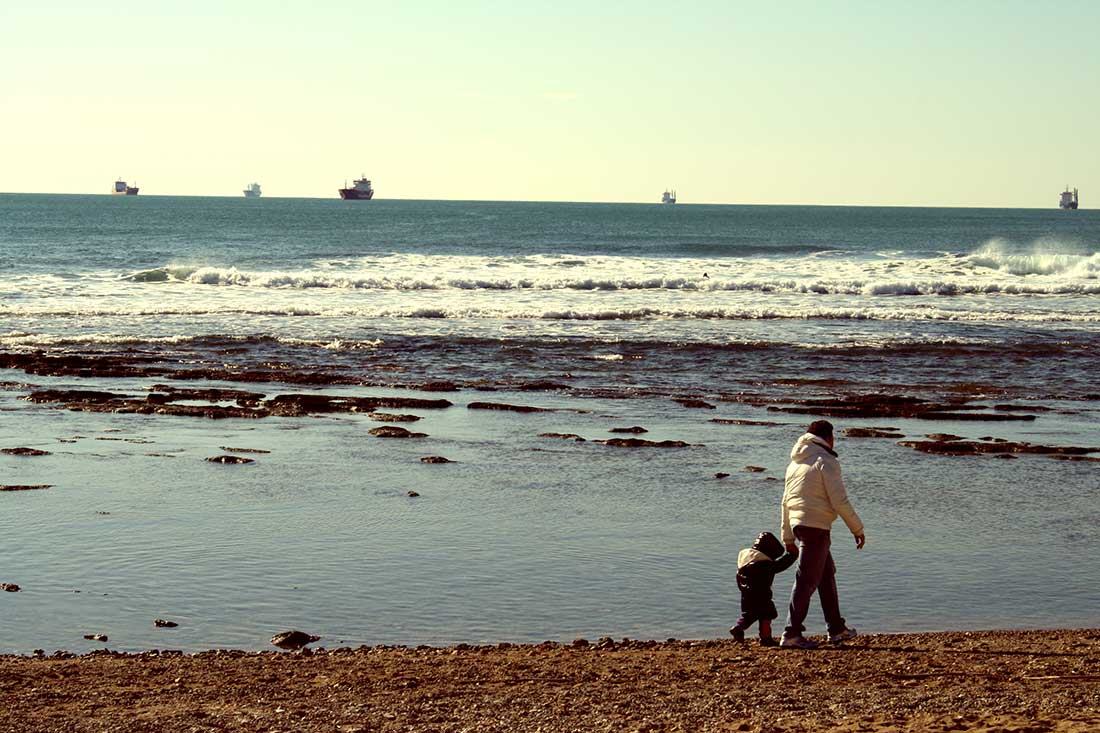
(587, 313)
(993, 269)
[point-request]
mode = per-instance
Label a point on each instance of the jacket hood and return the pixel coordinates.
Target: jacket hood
(808, 447)
(749, 555)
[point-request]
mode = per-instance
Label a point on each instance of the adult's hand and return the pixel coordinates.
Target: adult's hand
(860, 540)
(792, 548)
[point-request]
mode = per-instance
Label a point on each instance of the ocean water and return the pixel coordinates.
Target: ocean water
(618, 310)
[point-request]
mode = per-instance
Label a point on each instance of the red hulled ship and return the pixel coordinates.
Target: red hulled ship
(362, 190)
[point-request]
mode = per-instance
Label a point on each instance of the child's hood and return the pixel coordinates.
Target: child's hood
(749, 555)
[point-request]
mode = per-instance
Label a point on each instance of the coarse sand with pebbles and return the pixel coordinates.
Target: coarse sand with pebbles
(989, 681)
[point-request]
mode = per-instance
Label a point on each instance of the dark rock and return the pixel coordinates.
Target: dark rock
(163, 394)
(413, 494)
(639, 443)
(406, 403)
(392, 417)
(435, 387)
(96, 637)
(164, 624)
(72, 395)
(635, 430)
(721, 475)
(1090, 459)
(700, 404)
(755, 469)
(24, 452)
(730, 421)
(250, 404)
(502, 406)
(872, 433)
(25, 487)
(541, 386)
(858, 406)
(229, 459)
(580, 643)
(9, 587)
(292, 405)
(243, 450)
(211, 412)
(943, 437)
(563, 436)
(435, 459)
(1012, 457)
(972, 447)
(293, 639)
(393, 431)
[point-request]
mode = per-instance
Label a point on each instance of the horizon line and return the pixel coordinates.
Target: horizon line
(544, 201)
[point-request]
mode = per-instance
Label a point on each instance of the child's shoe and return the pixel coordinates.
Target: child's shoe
(738, 633)
(768, 641)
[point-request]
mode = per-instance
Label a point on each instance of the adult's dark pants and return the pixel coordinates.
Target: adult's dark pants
(816, 572)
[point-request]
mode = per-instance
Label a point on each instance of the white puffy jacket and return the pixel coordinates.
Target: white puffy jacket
(814, 493)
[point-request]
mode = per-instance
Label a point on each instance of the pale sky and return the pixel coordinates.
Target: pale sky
(952, 103)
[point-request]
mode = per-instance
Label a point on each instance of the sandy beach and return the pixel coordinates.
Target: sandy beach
(965, 681)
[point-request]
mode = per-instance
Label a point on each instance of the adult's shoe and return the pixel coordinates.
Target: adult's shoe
(798, 642)
(840, 637)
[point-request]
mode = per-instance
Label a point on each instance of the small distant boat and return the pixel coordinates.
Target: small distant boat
(1069, 199)
(253, 191)
(361, 192)
(668, 197)
(123, 190)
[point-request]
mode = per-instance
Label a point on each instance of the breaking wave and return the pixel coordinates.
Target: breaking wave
(1083, 279)
(1046, 258)
(575, 313)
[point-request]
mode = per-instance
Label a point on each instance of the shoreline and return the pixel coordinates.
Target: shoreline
(1034, 680)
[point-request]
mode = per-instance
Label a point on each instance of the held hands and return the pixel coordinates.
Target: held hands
(792, 548)
(860, 540)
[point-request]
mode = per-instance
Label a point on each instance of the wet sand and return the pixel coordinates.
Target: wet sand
(963, 681)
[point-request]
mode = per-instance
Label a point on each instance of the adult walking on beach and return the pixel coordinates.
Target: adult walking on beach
(813, 497)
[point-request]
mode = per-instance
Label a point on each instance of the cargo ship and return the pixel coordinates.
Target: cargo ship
(253, 191)
(360, 192)
(1069, 199)
(123, 190)
(668, 197)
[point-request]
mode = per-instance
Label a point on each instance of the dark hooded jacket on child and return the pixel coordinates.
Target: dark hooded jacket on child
(756, 569)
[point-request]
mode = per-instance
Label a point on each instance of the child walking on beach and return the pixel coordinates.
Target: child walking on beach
(756, 569)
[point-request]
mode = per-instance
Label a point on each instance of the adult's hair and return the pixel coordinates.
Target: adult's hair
(821, 428)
